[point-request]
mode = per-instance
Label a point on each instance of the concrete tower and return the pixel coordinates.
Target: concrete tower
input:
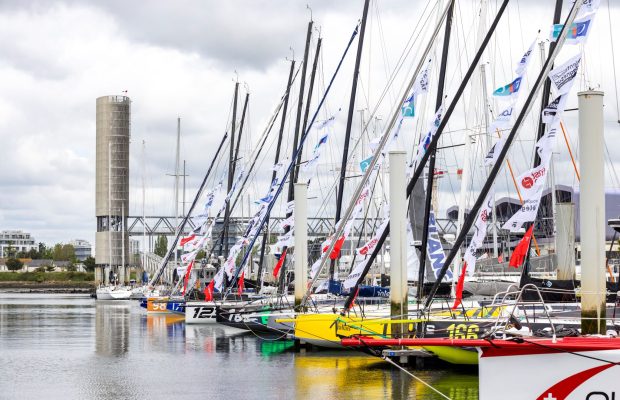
(112, 186)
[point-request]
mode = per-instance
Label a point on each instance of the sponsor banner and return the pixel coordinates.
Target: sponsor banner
(290, 221)
(587, 6)
(503, 120)
(369, 247)
(563, 77)
(553, 112)
(290, 206)
(532, 180)
(434, 249)
(527, 213)
(326, 124)
(546, 144)
(577, 33)
(510, 91)
(351, 280)
(493, 155)
(525, 60)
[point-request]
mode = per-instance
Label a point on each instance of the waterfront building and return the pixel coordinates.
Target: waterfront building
(83, 249)
(20, 240)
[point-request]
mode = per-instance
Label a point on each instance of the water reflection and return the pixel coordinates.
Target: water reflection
(83, 349)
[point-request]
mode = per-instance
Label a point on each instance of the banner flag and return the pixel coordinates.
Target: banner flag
(351, 280)
(527, 213)
(510, 91)
(493, 155)
(525, 60)
(326, 124)
(578, 32)
(563, 77)
(553, 112)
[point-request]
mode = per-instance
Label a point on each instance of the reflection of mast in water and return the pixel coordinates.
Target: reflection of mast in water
(112, 329)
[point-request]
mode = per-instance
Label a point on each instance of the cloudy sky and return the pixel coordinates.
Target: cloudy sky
(178, 59)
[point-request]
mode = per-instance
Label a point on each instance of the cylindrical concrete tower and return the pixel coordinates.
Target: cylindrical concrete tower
(112, 183)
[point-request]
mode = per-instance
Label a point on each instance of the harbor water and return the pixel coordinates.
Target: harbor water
(61, 346)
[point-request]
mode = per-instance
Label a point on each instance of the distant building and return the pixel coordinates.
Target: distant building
(20, 240)
(83, 249)
(134, 247)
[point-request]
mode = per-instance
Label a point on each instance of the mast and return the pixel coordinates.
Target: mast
(433, 144)
(513, 133)
(176, 187)
(143, 210)
(123, 241)
(485, 111)
(468, 140)
(312, 75)
(183, 215)
(347, 136)
(293, 177)
(231, 173)
(274, 174)
(547, 90)
(431, 162)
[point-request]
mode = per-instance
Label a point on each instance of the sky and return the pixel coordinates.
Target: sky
(180, 60)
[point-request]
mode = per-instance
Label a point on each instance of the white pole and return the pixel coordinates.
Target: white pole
(176, 190)
(592, 211)
(398, 238)
(485, 112)
(475, 87)
(301, 241)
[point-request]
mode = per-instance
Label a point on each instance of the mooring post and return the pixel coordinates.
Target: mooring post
(592, 212)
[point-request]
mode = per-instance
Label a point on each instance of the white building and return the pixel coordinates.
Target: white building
(20, 240)
(83, 249)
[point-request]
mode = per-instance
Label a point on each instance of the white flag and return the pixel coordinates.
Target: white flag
(315, 267)
(527, 213)
(279, 165)
(578, 32)
(369, 247)
(481, 230)
(290, 206)
(285, 240)
(503, 120)
(587, 6)
(189, 256)
(525, 60)
(373, 144)
(531, 180)
(553, 112)
(546, 144)
(326, 124)
(219, 280)
(355, 274)
(290, 221)
(493, 155)
(563, 77)
(426, 141)
(510, 91)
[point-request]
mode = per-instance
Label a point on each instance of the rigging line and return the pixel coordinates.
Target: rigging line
(613, 60)
(290, 167)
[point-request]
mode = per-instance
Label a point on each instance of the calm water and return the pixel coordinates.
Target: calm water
(72, 347)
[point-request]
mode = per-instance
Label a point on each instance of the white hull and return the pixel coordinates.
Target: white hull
(107, 294)
(200, 312)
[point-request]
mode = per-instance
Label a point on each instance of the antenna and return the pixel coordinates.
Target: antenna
(318, 30)
(308, 8)
(246, 86)
(236, 81)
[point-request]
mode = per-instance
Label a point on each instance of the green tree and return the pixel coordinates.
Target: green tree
(63, 252)
(71, 267)
(9, 250)
(50, 268)
(34, 254)
(22, 254)
(201, 254)
(89, 264)
(13, 264)
(161, 246)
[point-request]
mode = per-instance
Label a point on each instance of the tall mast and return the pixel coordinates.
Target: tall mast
(183, 215)
(475, 84)
(547, 89)
(310, 88)
(347, 136)
(231, 173)
(485, 110)
(275, 173)
(123, 242)
(176, 187)
(293, 177)
(431, 161)
(143, 210)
